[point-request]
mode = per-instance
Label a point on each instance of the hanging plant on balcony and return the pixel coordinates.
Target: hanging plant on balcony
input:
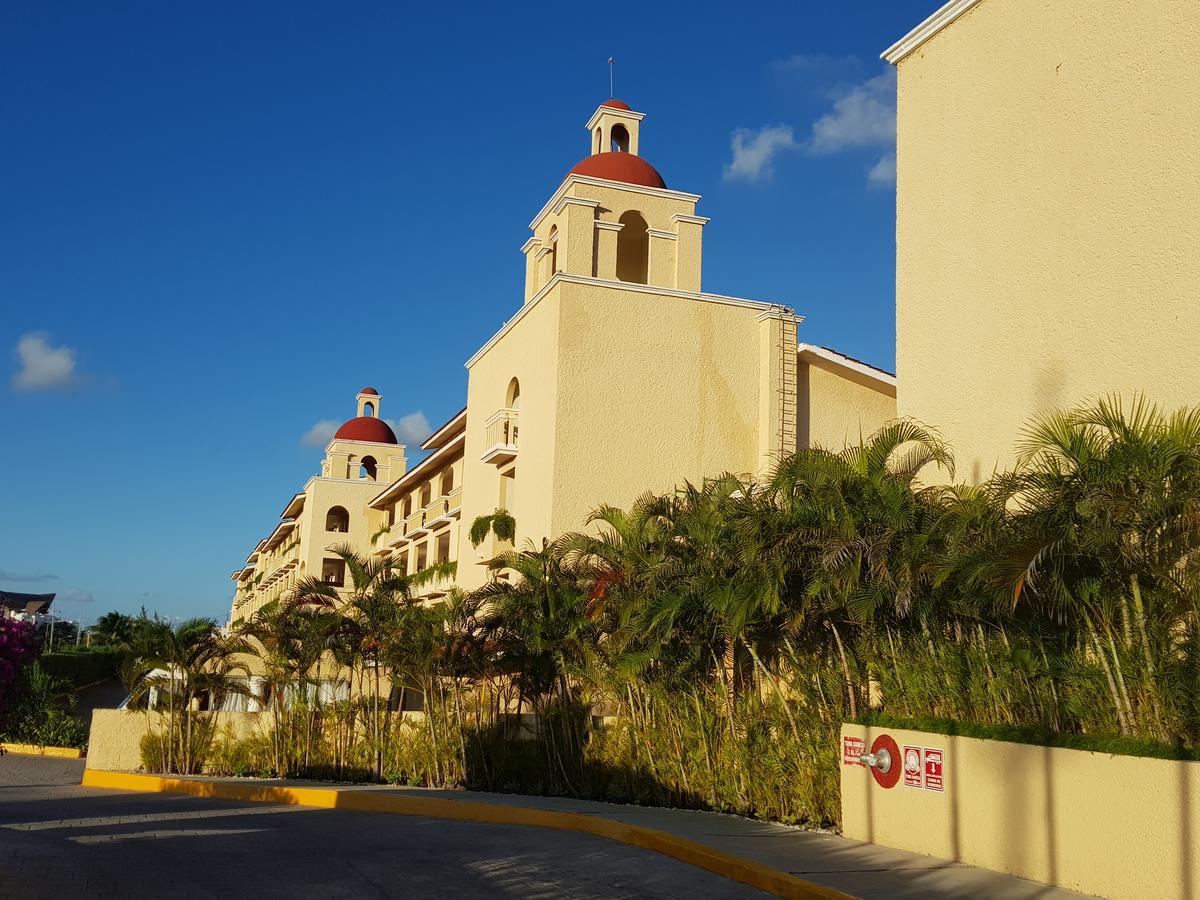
(500, 523)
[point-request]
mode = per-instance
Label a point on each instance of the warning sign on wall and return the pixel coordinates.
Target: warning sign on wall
(852, 749)
(935, 770)
(914, 767)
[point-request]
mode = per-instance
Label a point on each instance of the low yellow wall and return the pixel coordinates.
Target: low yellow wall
(1116, 826)
(42, 750)
(116, 737)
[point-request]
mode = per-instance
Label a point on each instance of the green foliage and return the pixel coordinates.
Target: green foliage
(436, 572)
(83, 667)
(383, 529)
(500, 523)
(38, 712)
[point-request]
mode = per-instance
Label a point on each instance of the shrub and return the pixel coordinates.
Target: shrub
(39, 712)
(82, 668)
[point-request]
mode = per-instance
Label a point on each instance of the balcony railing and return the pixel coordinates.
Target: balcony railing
(500, 437)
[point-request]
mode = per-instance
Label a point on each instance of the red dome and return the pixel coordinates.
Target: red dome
(618, 166)
(369, 391)
(615, 104)
(367, 428)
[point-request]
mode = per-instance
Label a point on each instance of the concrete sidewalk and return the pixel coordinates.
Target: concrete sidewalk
(860, 870)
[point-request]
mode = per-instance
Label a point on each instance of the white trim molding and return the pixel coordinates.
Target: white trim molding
(847, 362)
(530, 244)
(654, 290)
(659, 233)
(608, 226)
(564, 202)
(609, 183)
(691, 220)
(927, 29)
(613, 111)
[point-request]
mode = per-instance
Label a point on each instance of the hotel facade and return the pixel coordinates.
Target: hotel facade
(616, 374)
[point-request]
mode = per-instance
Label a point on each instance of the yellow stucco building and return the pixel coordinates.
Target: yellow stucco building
(616, 374)
(1048, 244)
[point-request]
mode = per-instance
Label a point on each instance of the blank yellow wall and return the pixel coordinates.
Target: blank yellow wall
(836, 408)
(1047, 215)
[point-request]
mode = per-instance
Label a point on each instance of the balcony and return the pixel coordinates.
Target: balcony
(500, 437)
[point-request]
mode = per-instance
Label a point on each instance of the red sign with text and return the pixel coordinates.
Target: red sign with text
(934, 769)
(852, 748)
(914, 766)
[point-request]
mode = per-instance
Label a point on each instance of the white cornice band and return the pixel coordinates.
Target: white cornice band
(927, 29)
(608, 183)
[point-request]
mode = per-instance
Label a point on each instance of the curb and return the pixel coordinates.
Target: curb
(718, 862)
(39, 750)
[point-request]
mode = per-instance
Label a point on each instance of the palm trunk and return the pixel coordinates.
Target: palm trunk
(845, 670)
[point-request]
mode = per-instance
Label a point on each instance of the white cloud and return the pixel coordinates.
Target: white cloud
(320, 434)
(814, 67)
(27, 577)
(74, 595)
(411, 429)
(862, 116)
(44, 368)
(883, 173)
(754, 152)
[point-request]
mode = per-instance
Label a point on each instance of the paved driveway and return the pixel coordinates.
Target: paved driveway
(61, 841)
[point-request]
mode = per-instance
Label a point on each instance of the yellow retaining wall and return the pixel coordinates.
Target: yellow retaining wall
(42, 750)
(1117, 826)
(116, 737)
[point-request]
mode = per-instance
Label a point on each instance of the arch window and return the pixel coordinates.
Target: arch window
(598, 145)
(369, 408)
(447, 484)
(368, 468)
(337, 519)
(633, 248)
(426, 493)
(408, 506)
(620, 139)
(553, 249)
(512, 397)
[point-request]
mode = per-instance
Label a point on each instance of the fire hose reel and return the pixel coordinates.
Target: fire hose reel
(883, 761)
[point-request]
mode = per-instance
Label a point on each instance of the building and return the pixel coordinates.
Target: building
(25, 607)
(616, 374)
(331, 511)
(1046, 227)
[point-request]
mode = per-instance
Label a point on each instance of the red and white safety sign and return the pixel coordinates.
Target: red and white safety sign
(852, 749)
(914, 767)
(935, 770)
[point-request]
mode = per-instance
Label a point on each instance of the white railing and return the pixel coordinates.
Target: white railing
(500, 436)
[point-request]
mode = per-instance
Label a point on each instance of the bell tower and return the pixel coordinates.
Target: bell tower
(614, 128)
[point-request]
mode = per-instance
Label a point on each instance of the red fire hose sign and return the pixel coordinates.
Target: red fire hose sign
(852, 749)
(914, 767)
(924, 768)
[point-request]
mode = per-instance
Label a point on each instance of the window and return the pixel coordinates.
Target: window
(391, 518)
(402, 564)
(408, 506)
(443, 547)
(333, 572)
(512, 397)
(337, 519)
(447, 482)
(426, 493)
(599, 143)
(620, 139)
(553, 249)
(368, 408)
(633, 248)
(422, 556)
(368, 468)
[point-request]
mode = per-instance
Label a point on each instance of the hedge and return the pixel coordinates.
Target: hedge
(82, 668)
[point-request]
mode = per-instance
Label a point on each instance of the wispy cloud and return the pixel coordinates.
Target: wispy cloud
(754, 152)
(883, 173)
(862, 116)
(814, 69)
(26, 577)
(320, 434)
(75, 595)
(411, 429)
(44, 367)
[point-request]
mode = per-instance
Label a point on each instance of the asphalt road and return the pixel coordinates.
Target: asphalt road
(61, 841)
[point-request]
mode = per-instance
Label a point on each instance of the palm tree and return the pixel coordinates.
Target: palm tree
(185, 665)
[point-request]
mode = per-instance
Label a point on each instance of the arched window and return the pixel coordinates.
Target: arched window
(633, 248)
(337, 519)
(447, 482)
(512, 398)
(408, 506)
(620, 139)
(553, 249)
(599, 144)
(368, 408)
(367, 469)
(426, 493)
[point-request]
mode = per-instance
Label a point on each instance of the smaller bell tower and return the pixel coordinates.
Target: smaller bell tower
(614, 128)
(368, 403)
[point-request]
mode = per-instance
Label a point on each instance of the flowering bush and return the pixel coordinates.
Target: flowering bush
(18, 644)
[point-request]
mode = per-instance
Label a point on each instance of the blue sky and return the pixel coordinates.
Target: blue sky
(220, 220)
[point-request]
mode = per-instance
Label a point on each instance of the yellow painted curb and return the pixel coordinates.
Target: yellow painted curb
(38, 750)
(733, 867)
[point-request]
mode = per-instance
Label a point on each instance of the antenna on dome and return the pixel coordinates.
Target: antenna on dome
(611, 92)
